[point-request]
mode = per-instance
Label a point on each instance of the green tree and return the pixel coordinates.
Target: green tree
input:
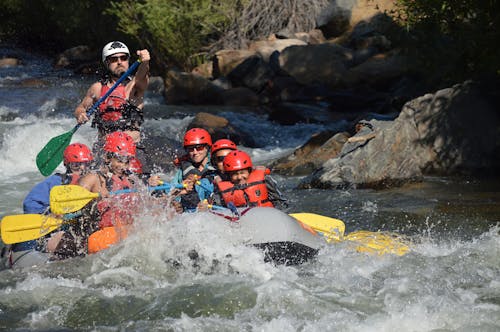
(455, 39)
(174, 29)
(178, 29)
(52, 26)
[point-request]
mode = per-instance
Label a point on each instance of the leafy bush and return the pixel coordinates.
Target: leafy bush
(177, 32)
(174, 29)
(52, 26)
(455, 39)
(258, 19)
(178, 29)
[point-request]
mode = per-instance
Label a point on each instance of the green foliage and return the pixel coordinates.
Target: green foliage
(454, 39)
(174, 29)
(56, 25)
(177, 32)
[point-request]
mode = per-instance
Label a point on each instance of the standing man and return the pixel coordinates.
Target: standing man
(122, 110)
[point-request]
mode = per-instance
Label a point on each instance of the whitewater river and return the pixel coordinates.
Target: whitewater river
(449, 281)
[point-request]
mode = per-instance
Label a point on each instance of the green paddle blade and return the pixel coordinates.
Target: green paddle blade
(51, 155)
(26, 227)
(69, 198)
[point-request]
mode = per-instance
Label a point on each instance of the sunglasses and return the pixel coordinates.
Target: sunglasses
(78, 166)
(197, 147)
(219, 159)
(120, 158)
(113, 59)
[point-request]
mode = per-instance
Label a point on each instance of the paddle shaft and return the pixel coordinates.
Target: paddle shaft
(106, 95)
(167, 186)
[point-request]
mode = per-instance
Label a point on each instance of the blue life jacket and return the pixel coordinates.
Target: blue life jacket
(38, 199)
(38, 202)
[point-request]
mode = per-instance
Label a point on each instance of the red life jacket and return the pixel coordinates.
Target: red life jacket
(253, 193)
(117, 209)
(74, 178)
(69, 178)
(111, 108)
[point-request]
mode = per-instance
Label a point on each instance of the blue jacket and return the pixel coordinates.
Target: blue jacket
(38, 199)
(204, 188)
(38, 202)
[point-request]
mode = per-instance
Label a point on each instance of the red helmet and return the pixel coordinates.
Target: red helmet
(223, 144)
(120, 143)
(135, 165)
(77, 153)
(196, 136)
(237, 160)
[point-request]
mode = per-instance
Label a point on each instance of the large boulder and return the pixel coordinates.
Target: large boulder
(452, 130)
(182, 87)
(265, 48)
(379, 70)
(312, 64)
(314, 36)
(9, 62)
(253, 73)
(205, 70)
(219, 127)
(240, 96)
(225, 61)
(320, 148)
(79, 58)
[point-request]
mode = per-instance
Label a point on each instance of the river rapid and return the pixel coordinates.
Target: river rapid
(449, 281)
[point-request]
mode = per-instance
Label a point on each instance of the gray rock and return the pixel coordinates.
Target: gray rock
(450, 131)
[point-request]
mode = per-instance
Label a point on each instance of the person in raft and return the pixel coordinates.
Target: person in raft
(77, 159)
(220, 149)
(122, 110)
(110, 210)
(194, 171)
(248, 186)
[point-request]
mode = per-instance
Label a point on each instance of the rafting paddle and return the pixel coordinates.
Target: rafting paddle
(363, 241)
(378, 242)
(51, 154)
(331, 227)
(26, 227)
(71, 198)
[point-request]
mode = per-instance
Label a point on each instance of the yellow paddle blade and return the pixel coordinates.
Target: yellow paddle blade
(69, 198)
(332, 228)
(363, 241)
(26, 227)
(378, 242)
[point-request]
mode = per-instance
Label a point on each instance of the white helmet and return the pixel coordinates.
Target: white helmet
(113, 48)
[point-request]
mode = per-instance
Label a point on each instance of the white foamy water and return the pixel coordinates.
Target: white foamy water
(149, 282)
(23, 139)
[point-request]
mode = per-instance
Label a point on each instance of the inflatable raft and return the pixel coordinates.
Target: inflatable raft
(284, 239)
